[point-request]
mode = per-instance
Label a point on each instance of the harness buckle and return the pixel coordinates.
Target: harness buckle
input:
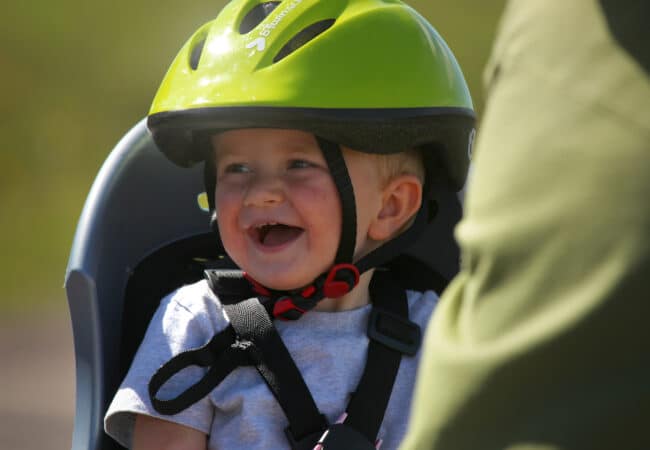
(286, 309)
(306, 441)
(341, 279)
(394, 331)
(341, 436)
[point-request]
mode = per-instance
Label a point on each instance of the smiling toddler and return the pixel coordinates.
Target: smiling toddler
(326, 130)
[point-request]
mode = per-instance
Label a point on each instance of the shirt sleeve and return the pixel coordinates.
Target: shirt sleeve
(186, 319)
(541, 340)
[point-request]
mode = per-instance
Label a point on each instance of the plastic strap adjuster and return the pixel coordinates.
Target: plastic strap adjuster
(286, 309)
(394, 331)
(340, 436)
(341, 279)
(306, 442)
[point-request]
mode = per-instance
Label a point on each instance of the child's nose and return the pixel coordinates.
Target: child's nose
(264, 190)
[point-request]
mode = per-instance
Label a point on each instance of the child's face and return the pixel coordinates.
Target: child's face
(278, 209)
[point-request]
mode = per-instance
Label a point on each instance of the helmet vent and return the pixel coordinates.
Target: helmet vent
(256, 15)
(304, 36)
(197, 50)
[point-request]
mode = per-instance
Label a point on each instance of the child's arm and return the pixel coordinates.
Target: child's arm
(156, 434)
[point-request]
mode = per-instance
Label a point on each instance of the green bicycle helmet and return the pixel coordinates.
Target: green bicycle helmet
(369, 74)
(372, 75)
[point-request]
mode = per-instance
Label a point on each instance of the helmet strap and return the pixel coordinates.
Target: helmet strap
(396, 246)
(339, 171)
(425, 215)
(388, 250)
(343, 276)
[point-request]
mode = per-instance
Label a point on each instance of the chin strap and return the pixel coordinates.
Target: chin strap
(341, 279)
(338, 281)
(344, 275)
(338, 169)
(233, 285)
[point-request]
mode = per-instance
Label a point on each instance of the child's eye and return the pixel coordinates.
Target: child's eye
(300, 164)
(236, 168)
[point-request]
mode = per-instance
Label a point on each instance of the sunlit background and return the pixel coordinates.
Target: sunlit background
(74, 77)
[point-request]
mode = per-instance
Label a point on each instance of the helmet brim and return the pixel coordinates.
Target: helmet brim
(443, 130)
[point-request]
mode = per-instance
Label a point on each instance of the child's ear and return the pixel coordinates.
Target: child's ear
(401, 199)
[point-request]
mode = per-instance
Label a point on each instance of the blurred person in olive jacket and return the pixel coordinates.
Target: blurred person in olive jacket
(543, 340)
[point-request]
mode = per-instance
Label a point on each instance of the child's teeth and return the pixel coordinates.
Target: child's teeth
(267, 224)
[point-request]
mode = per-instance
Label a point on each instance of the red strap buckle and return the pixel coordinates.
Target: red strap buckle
(285, 309)
(308, 291)
(341, 279)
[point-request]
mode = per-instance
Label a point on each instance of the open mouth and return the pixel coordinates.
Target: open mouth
(276, 234)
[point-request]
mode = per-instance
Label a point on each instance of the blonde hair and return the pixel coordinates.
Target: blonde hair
(394, 164)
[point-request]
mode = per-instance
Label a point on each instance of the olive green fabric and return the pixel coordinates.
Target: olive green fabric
(543, 339)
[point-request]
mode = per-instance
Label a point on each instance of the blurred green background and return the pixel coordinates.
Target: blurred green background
(75, 76)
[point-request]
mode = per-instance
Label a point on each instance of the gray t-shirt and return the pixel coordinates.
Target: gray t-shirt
(329, 348)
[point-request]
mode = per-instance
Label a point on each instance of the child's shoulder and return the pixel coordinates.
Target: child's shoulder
(421, 305)
(196, 300)
(191, 296)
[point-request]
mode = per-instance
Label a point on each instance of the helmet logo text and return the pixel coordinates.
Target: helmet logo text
(259, 44)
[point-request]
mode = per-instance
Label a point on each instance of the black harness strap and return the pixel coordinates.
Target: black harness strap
(251, 339)
(276, 366)
(391, 335)
(223, 353)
